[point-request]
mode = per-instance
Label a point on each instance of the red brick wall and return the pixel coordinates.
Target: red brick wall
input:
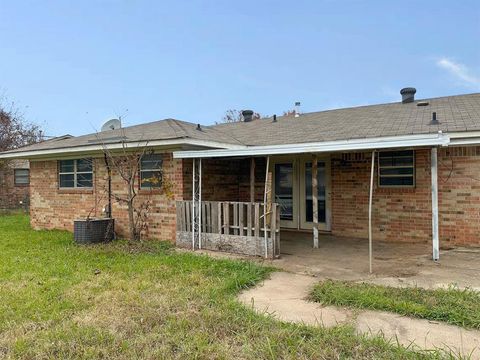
(459, 195)
(52, 208)
(226, 179)
(220, 179)
(405, 214)
(399, 214)
(12, 196)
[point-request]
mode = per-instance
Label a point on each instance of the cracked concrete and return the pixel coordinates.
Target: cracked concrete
(284, 294)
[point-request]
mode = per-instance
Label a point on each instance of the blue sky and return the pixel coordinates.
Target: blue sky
(72, 65)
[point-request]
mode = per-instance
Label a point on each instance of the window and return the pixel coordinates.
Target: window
(396, 168)
(22, 177)
(151, 171)
(75, 173)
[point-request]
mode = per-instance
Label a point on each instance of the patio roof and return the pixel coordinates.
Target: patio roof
(409, 141)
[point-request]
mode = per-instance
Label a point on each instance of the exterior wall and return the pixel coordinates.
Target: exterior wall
(399, 214)
(459, 196)
(13, 196)
(219, 179)
(404, 214)
(226, 180)
(54, 208)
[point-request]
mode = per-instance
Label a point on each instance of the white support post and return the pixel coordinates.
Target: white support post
(315, 200)
(193, 204)
(435, 237)
(370, 205)
(265, 207)
(200, 203)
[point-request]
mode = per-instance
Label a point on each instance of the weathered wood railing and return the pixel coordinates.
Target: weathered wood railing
(232, 226)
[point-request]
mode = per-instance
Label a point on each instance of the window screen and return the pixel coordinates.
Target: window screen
(22, 176)
(396, 168)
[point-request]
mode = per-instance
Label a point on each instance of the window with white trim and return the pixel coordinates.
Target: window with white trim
(396, 168)
(22, 177)
(151, 171)
(75, 174)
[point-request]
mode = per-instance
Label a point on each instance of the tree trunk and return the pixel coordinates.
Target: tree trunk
(131, 219)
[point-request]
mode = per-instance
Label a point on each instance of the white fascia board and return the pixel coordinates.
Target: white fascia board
(321, 147)
(130, 145)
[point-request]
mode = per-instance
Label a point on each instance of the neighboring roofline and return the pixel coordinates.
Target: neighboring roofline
(100, 147)
(405, 141)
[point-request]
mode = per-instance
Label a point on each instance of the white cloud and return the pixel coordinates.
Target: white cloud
(459, 71)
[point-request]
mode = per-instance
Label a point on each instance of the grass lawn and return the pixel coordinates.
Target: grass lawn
(121, 301)
(454, 306)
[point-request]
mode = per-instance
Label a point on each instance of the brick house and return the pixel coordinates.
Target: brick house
(401, 172)
(14, 184)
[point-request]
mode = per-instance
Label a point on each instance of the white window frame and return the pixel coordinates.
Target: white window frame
(379, 167)
(160, 169)
(15, 177)
(75, 174)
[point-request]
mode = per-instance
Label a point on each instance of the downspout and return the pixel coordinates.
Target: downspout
(200, 203)
(370, 203)
(265, 235)
(193, 204)
(434, 174)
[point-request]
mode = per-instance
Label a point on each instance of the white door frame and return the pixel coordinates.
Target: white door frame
(290, 224)
(298, 191)
(303, 224)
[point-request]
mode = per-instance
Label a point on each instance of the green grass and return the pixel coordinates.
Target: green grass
(452, 305)
(122, 301)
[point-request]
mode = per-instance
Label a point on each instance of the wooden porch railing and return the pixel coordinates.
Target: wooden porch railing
(234, 219)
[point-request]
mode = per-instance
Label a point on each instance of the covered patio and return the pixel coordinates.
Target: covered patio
(264, 215)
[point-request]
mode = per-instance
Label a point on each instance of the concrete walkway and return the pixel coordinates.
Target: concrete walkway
(283, 296)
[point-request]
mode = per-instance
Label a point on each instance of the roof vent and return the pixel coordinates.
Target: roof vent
(247, 115)
(297, 108)
(434, 119)
(422, 103)
(408, 94)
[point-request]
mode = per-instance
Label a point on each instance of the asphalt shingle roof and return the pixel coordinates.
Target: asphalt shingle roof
(455, 113)
(157, 130)
(460, 113)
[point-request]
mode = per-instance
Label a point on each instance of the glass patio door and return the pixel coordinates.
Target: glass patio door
(285, 190)
(306, 198)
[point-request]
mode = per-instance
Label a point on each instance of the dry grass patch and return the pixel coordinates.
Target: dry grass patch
(147, 301)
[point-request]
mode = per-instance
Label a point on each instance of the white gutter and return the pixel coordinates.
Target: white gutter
(465, 141)
(100, 147)
(319, 147)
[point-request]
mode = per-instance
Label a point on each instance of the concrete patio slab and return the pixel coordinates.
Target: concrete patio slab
(394, 264)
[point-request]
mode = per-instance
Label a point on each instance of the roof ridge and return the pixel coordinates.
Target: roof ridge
(383, 104)
(354, 107)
